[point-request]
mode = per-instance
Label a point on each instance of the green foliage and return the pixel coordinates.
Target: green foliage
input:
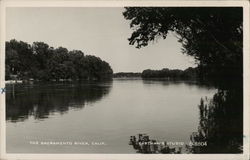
(41, 62)
(212, 35)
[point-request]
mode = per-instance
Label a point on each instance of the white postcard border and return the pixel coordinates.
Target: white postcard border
(122, 3)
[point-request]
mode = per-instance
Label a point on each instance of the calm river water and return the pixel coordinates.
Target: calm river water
(100, 116)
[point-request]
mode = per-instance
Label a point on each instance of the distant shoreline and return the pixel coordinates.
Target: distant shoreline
(114, 78)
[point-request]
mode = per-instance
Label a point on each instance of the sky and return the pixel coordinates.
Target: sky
(102, 32)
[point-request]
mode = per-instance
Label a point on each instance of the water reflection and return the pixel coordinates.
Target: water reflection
(151, 106)
(167, 82)
(42, 100)
(220, 125)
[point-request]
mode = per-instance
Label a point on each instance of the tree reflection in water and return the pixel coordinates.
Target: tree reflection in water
(42, 100)
(220, 126)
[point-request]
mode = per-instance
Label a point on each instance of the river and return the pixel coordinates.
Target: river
(100, 117)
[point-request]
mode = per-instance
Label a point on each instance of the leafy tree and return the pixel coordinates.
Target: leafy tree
(76, 58)
(57, 67)
(12, 61)
(212, 35)
(95, 68)
(7, 72)
(19, 58)
(42, 52)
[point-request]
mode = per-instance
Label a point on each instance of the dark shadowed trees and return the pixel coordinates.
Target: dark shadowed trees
(221, 123)
(189, 73)
(39, 61)
(127, 75)
(212, 35)
(18, 58)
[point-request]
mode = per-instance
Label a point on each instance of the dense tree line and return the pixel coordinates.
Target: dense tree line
(126, 74)
(189, 73)
(41, 62)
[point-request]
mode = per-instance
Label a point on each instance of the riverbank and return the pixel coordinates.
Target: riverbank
(13, 81)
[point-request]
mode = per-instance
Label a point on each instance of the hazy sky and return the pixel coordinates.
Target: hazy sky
(102, 32)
